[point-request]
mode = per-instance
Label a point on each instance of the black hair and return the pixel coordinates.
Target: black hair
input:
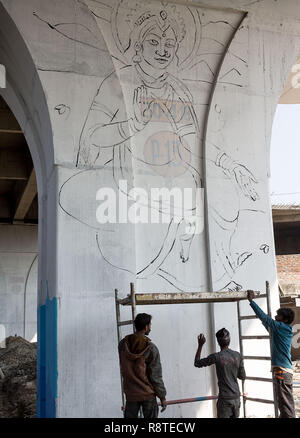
(223, 337)
(141, 320)
(287, 314)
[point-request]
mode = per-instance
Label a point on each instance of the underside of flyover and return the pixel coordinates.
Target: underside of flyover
(18, 188)
(18, 270)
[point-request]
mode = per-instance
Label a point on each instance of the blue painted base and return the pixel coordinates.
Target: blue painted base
(47, 372)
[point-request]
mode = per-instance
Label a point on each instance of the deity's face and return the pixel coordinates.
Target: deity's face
(159, 47)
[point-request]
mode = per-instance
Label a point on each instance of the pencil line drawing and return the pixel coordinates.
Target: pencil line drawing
(265, 248)
(143, 126)
(62, 109)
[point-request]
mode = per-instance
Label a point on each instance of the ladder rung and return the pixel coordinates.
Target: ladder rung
(248, 317)
(124, 301)
(259, 400)
(259, 379)
(125, 323)
(255, 337)
(257, 357)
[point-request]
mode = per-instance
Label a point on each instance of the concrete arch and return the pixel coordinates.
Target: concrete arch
(25, 96)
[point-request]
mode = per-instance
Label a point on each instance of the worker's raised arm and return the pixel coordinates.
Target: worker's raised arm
(198, 362)
(265, 319)
(201, 341)
(241, 372)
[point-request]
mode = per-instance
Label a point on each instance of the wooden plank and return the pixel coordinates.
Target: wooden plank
(187, 297)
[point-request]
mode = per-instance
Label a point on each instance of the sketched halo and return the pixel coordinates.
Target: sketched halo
(190, 15)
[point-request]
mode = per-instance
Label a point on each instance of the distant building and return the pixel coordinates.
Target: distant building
(286, 220)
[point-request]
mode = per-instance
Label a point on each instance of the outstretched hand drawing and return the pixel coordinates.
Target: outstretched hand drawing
(142, 127)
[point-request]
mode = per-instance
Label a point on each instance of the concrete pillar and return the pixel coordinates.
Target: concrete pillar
(84, 80)
(18, 286)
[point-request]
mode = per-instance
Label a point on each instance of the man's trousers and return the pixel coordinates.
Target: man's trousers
(283, 385)
(149, 409)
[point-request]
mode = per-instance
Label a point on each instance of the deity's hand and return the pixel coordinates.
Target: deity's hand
(243, 177)
(142, 106)
(245, 180)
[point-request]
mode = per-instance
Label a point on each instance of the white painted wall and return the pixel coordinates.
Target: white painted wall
(84, 262)
(18, 280)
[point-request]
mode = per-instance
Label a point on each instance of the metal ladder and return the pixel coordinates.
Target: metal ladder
(134, 299)
(268, 358)
(122, 323)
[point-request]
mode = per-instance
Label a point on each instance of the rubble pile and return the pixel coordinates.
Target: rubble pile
(18, 379)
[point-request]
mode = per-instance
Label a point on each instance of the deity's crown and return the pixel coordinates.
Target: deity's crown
(166, 16)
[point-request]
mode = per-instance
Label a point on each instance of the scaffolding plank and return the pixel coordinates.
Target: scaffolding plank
(187, 297)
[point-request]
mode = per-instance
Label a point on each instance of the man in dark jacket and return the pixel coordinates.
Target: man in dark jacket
(229, 367)
(281, 334)
(141, 371)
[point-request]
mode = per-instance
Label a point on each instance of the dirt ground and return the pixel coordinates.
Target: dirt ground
(18, 379)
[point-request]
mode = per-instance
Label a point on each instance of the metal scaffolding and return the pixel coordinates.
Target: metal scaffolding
(134, 299)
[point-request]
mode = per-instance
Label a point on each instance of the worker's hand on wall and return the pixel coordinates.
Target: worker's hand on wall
(201, 339)
(163, 402)
(250, 295)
